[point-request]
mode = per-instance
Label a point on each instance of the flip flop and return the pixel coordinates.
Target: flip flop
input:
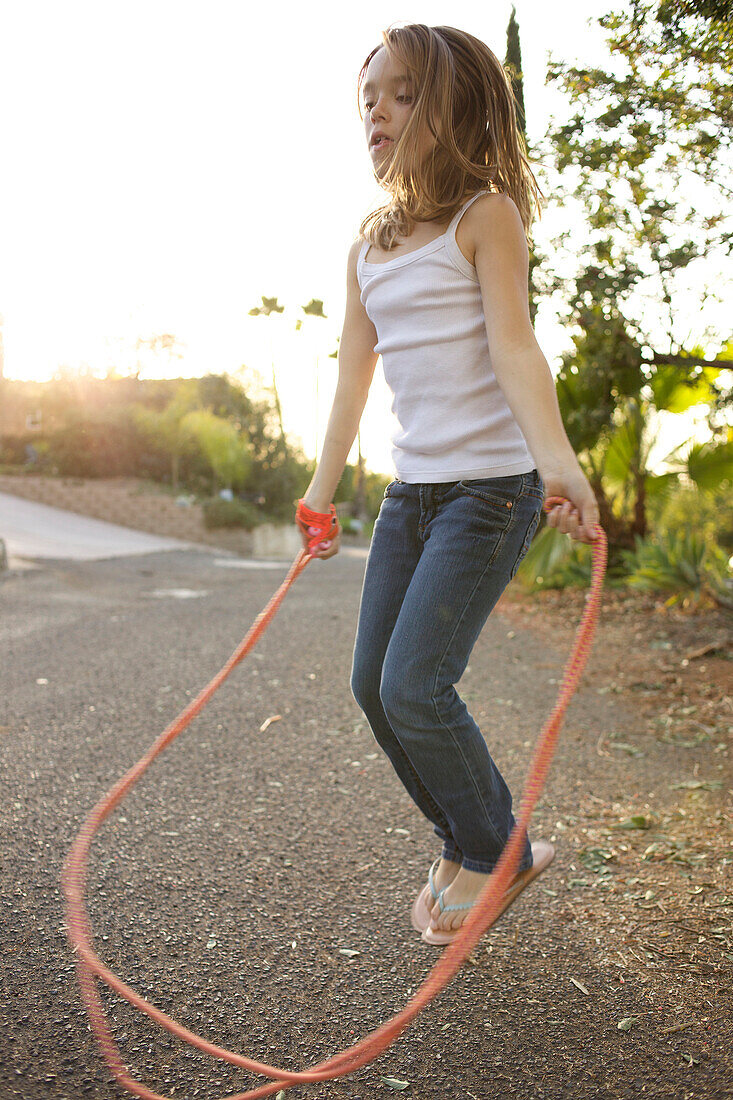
(420, 913)
(543, 854)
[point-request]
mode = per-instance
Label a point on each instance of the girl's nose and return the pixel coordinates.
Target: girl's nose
(377, 110)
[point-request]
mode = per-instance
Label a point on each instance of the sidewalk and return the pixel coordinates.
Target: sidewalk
(31, 530)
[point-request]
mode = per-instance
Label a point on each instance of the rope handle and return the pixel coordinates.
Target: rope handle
(317, 526)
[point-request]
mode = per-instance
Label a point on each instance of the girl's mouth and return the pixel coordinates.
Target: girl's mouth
(381, 143)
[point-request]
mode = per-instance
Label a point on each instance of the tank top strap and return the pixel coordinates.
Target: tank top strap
(451, 230)
(360, 260)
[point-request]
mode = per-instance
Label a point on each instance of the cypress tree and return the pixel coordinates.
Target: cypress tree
(513, 62)
(513, 65)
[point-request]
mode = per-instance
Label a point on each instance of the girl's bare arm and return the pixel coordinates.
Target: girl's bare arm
(521, 369)
(356, 361)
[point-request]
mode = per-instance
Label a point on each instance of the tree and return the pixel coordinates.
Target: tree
(513, 66)
(223, 445)
(158, 342)
(168, 424)
(269, 306)
(314, 308)
(645, 156)
(648, 150)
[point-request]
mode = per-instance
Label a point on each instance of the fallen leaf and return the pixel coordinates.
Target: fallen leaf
(580, 986)
(697, 785)
(595, 859)
(394, 1082)
(636, 821)
(711, 647)
(627, 1023)
(348, 951)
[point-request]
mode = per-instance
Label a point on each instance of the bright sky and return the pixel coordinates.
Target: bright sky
(167, 163)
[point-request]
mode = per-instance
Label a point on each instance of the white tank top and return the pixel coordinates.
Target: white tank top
(452, 419)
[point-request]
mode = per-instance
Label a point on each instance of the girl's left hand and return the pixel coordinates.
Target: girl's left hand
(579, 515)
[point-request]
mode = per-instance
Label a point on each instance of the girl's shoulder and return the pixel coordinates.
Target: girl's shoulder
(495, 217)
(494, 205)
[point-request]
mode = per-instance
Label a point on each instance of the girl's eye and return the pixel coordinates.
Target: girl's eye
(368, 106)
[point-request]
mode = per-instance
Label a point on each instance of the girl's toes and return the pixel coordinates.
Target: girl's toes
(439, 920)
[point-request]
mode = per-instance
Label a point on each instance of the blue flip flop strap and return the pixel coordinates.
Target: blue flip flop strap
(433, 891)
(444, 908)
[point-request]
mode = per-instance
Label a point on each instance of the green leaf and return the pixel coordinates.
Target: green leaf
(708, 463)
(627, 1023)
(636, 821)
(394, 1082)
(595, 859)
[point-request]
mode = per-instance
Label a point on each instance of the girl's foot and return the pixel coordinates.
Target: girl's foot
(464, 887)
(445, 873)
(438, 879)
(467, 886)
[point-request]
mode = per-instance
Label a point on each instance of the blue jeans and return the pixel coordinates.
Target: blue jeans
(440, 557)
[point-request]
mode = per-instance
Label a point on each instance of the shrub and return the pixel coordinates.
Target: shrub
(691, 567)
(709, 512)
(230, 513)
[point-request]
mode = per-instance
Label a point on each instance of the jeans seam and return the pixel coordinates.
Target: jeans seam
(429, 798)
(526, 541)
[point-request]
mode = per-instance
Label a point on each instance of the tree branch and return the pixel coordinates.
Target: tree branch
(691, 361)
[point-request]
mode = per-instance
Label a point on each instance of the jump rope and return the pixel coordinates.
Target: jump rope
(317, 526)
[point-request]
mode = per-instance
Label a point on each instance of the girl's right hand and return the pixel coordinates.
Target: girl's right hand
(579, 516)
(325, 549)
(329, 543)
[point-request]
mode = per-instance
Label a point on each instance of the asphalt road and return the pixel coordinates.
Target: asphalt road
(256, 884)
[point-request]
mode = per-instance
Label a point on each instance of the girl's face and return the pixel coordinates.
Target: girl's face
(387, 107)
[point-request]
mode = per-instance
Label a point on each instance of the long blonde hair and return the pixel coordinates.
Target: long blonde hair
(462, 94)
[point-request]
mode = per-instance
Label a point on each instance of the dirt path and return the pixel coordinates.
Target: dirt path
(233, 881)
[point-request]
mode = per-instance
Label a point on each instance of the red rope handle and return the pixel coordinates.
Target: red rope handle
(319, 526)
(90, 968)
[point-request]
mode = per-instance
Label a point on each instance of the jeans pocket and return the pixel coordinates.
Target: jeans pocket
(501, 493)
(534, 486)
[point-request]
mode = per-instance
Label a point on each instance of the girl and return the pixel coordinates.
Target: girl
(437, 285)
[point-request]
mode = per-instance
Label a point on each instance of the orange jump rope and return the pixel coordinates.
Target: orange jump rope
(317, 527)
